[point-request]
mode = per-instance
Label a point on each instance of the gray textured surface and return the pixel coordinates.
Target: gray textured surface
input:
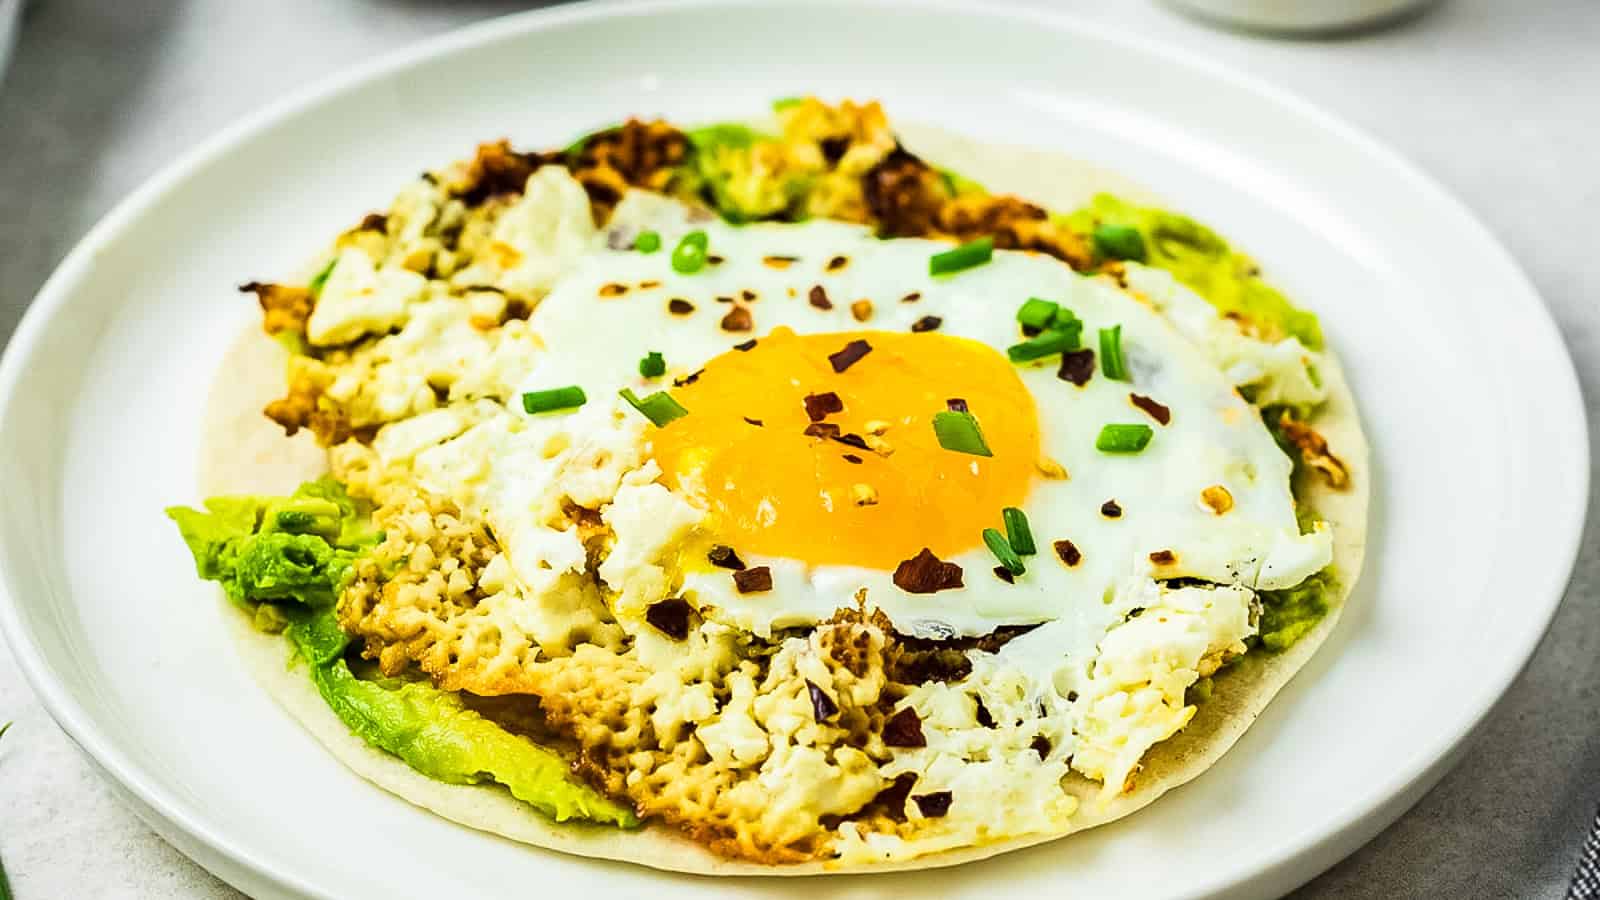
(1497, 99)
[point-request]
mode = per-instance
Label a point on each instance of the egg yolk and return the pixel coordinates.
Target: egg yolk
(772, 489)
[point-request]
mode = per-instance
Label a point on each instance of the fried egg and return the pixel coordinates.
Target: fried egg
(832, 477)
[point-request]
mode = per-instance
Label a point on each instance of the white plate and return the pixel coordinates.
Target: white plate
(1466, 391)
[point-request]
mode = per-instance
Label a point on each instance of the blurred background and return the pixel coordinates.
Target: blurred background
(1499, 100)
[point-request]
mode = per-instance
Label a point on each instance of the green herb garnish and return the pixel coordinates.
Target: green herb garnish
(689, 256)
(321, 278)
(1003, 551)
(1123, 438)
(654, 365)
(1111, 361)
(1047, 343)
(647, 241)
(959, 431)
(1018, 534)
(1037, 313)
(659, 407)
(570, 397)
(972, 253)
(1119, 242)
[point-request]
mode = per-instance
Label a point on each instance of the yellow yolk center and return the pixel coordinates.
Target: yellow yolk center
(774, 490)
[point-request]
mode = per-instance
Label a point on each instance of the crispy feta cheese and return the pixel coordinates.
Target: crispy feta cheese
(1134, 697)
(536, 239)
(1274, 372)
(650, 524)
(358, 298)
(733, 738)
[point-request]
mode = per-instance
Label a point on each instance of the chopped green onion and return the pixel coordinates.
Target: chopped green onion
(659, 407)
(1066, 320)
(959, 431)
(1018, 534)
(1123, 438)
(1045, 344)
(1037, 313)
(689, 256)
(647, 241)
(570, 397)
(654, 365)
(321, 278)
(1119, 242)
(1003, 551)
(1111, 361)
(972, 253)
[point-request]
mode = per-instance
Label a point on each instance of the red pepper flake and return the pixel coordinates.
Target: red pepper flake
(780, 262)
(826, 430)
(1004, 574)
(715, 260)
(690, 378)
(1077, 366)
(926, 323)
(1041, 745)
(819, 297)
(934, 805)
(649, 285)
(911, 297)
(821, 406)
(852, 458)
(982, 712)
(1156, 410)
(724, 299)
(850, 355)
(927, 574)
(670, 617)
(748, 295)
(738, 319)
(613, 289)
(861, 310)
(822, 706)
(756, 422)
(745, 346)
(1163, 558)
(852, 440)
(956, 404)
(679, 306)
(1068, 551)
(1111, 510)
(892, 799)
(723, 557)
(753, 581)
(904, 729)
(837, 263)
(373, 222)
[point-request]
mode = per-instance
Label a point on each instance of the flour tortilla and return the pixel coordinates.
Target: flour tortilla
(246, 453)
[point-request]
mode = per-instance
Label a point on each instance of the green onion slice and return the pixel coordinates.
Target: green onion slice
(1037, 313)
(647, 241)
(959, 431)
(1048, 343)
(689, 256)
(1003, 551)
(1123, 438)
(570, 397)
(972, 253)
(654, 365)
(659, 407)
(321, 278)
(1111, 361)
(1018, 534)
(1119, 242)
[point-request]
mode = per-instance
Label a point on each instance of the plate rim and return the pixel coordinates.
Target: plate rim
(149, 800)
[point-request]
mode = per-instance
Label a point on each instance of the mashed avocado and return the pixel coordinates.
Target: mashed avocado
(745, 174)
(292, 556)
(1201, 259)
(1286, 615)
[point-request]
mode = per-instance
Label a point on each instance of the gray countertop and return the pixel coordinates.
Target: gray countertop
(1499, 100)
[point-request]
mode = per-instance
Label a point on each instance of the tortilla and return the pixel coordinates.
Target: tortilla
(243, 452)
